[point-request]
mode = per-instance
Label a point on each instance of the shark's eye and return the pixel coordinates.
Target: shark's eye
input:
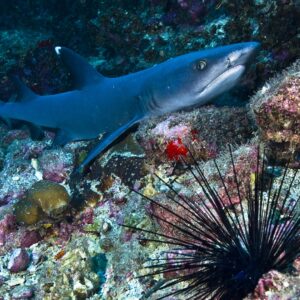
(201, 64)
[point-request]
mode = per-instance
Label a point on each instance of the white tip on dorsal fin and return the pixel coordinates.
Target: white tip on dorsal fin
(57, 50)
(82, 72)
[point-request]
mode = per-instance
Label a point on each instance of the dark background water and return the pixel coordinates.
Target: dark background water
(119, 37)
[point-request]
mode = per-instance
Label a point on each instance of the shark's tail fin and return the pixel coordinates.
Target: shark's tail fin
(2, 104)
(2, 117)
(6, 115)
(36, 132)
(24, 94)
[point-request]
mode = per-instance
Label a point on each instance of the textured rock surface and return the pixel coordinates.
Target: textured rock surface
(18, 261)
(276, 109)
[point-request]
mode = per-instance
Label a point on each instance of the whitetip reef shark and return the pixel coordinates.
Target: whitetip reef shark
(110, 106)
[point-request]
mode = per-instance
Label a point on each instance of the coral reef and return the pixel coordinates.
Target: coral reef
(73, 274)
(27, 212)
(43, 198)
(51, 197)
(206, 131)
(276, 109)
(55, 166)
(79, 250)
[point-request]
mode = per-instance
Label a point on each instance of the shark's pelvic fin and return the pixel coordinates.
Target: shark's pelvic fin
(105, 142)
(61, 138)
(36, 132)
(82, 72)
(24, 92)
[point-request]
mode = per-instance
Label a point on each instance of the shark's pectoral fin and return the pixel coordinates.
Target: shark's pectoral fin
(61, 138)
(105, 142)
(82, 72)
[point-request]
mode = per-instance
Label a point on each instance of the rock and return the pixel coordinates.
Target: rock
(7, 224)
(2, 279)
(18, 261)
(22, 293)
(51, 197)
(27, 212)
(29, 238)
(276, 110)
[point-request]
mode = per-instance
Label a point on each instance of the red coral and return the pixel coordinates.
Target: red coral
(45, 43)
(175, 149)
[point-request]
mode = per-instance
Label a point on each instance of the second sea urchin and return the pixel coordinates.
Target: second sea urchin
(221, 251)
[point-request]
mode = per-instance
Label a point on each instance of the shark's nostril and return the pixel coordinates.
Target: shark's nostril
(228, 63)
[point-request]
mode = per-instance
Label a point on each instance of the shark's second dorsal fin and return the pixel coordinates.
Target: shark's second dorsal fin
(82, 72)
(24, 92)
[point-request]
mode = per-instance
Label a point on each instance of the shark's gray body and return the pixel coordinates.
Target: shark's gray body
(109, 106)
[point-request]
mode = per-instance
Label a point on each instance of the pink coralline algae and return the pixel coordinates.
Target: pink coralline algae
(276, 109)
(29, 238)
(32, 150)
(18, 261)
(164, 214)
(87, 217)
(172, 260)
(13, 135)
(271, 280)
(279, 117)
(64, 232)
(170, 139)
(245, 165)
(7, 225)
(55, 165)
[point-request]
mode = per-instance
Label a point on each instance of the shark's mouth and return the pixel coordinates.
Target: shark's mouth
(223, 82)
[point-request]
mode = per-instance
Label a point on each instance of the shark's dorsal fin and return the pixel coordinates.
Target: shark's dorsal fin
(82, 72)
(24, 92)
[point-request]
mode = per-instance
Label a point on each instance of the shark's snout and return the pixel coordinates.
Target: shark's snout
(229, 68)
(246, 53)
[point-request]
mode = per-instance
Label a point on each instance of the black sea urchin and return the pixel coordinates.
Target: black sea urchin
(222, 251)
